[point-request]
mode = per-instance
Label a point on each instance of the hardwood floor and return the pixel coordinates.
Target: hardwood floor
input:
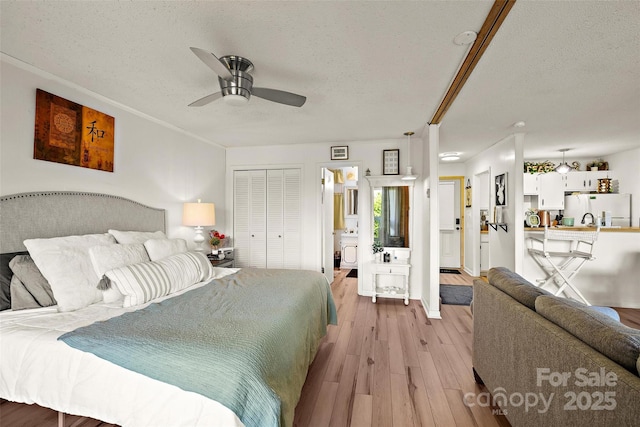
(456, 279)
(384, 364)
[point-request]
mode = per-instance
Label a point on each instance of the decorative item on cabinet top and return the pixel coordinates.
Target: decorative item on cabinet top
(539, 167)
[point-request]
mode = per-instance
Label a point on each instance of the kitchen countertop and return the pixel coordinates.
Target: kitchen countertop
(602, 229)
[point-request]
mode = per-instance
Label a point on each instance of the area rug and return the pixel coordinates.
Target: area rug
(449, 271)
(456, 294)
(353, 273)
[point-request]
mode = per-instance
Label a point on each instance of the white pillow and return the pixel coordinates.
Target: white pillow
(140, 282)
(143, 282)
(162, 248)
(65, 263)
(105, 258)
(126, 237)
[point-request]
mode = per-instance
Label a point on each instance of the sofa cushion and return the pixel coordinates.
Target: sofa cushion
(515, 286)
(613, 339)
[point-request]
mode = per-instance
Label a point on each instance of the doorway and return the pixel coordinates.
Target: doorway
(340, 213)
(451, 225)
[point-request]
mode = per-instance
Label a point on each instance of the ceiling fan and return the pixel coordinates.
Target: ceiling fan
(236, 84)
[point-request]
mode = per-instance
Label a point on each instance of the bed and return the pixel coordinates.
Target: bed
(225, 347)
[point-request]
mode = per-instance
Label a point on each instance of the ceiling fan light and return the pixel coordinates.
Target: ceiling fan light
(235, 100)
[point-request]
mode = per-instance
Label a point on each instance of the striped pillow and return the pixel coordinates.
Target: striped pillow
(140, 282)
(185, 269)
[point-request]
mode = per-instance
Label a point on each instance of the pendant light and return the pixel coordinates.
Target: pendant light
(409, 176)
(563, 167)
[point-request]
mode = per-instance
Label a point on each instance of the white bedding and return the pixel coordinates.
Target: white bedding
(37, 368)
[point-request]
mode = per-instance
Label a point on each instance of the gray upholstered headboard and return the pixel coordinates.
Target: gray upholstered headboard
(64, 213)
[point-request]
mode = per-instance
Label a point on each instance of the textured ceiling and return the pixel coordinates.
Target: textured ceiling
(370, 70)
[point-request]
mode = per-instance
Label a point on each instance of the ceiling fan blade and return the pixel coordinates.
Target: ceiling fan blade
(213, 62)
(205, 100)
(280, 96)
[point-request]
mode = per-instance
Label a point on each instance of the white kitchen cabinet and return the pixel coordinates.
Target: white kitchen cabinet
(551, 191)
(584, 180)
(530, 183)
(267, 218)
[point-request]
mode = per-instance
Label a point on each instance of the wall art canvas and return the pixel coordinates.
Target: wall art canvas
(70, 133)
(501, 190)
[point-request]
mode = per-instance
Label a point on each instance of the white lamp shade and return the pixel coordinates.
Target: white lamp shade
(199, 214)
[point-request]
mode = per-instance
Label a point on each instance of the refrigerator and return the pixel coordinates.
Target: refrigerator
(618, 206)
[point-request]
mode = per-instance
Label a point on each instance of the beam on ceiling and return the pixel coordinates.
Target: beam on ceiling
(496, 16)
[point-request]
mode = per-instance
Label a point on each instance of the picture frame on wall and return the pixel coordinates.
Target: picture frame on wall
(467, 195)
(73, 134)
(391, 162)
(501, 189)
(340, 152)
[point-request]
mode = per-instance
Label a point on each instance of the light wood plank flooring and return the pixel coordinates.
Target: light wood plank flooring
(386, 364)
(383, 365)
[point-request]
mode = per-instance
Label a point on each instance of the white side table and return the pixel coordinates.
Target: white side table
(391, 291)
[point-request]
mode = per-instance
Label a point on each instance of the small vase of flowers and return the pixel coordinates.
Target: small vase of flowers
(377, 249)
(216, 239)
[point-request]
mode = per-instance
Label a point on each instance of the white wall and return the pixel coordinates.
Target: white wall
(503, 157)
(154, 164)
(625, 168)
(311, 158)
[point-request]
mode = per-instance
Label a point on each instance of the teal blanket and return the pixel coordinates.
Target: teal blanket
(245, 340)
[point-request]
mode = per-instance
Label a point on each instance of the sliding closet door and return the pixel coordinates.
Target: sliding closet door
(241, 235)
(249, 218)
(267, 218)
(275, 218)
(292, 214)
(258, 218)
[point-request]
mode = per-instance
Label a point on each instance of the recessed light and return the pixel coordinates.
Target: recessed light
(465, 37)
(450, 154)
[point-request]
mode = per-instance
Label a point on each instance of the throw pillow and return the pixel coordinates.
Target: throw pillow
(515, 286)
(140, 283)
(5, 279)
(186, 269)
(162, 248)
(65, 263)
(127, 237)
(108, 257)
(613, 339)
(27, 280)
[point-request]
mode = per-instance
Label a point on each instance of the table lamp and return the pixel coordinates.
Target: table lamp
(199, 215)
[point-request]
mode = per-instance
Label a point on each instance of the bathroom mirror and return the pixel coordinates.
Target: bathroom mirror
(391, 223)
(351, 201)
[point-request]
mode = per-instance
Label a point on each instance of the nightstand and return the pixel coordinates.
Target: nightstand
(224, 263)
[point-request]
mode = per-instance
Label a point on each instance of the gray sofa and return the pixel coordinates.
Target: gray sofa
(550, 361)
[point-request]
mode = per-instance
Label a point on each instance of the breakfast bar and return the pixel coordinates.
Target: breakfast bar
(611, 279)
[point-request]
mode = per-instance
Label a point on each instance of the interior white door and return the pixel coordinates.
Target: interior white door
(327, 223)
(449, 230)
(292, 218)
(258, 218)
(275, 218)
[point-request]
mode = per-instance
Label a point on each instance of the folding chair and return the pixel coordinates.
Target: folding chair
(562, 266)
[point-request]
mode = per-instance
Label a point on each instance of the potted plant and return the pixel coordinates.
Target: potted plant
(377, 249)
